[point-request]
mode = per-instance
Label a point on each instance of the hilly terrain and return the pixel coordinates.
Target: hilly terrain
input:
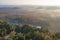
(47, 16)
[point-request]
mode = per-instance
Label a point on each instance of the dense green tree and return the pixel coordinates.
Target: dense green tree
(25, 32)
(57, 35)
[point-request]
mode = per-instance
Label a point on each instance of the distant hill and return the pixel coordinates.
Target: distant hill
(47, 16)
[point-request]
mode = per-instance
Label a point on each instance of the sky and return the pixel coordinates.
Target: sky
(31, 2)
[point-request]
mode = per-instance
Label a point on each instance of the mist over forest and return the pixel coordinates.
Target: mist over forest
(29, 22)
(48, 14)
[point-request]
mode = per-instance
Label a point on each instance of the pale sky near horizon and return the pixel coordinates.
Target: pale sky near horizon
(31, 2)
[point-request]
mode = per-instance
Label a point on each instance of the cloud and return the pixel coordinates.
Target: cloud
(31, 2)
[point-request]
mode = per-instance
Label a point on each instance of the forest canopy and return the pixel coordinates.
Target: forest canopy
(25, 32)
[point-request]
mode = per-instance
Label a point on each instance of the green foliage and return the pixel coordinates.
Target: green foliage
(57, 35)
(25, 32)
(5, 28)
